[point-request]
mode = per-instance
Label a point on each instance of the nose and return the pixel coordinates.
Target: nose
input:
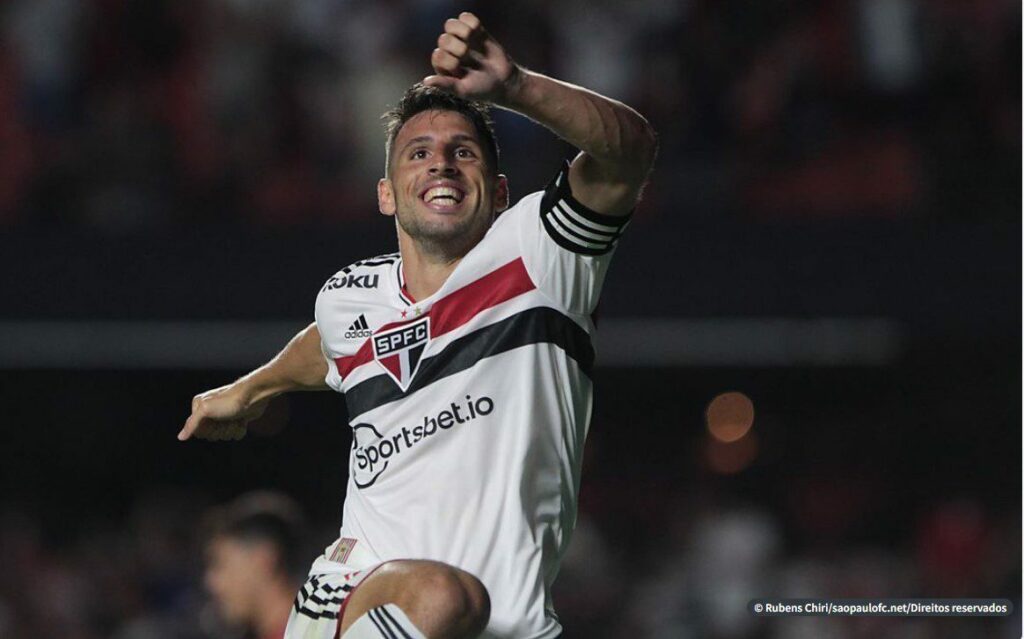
(443, 165)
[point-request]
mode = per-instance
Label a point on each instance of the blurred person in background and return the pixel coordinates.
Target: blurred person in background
(254, 562)
(477, 317)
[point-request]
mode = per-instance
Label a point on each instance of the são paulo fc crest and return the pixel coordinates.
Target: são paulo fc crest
(399, 350)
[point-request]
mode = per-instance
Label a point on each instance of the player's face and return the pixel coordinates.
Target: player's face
(442, 188)
(231, 577)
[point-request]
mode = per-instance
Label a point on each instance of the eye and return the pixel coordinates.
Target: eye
(418, 154)
(464, 152)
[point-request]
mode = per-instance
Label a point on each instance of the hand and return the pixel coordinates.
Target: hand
(470, 63)
(222, 413)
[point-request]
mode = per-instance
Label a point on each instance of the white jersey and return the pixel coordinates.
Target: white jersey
(469, 409)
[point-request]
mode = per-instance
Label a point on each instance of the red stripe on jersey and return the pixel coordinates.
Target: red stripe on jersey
(456, 308)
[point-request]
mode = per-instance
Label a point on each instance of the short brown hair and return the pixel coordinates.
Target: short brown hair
(420, 98)
(262, 516)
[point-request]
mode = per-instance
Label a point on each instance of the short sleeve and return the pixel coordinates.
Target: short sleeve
(566, 246)
(333, 378)
(327, 314)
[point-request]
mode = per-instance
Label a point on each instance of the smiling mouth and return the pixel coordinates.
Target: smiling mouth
(443, 196)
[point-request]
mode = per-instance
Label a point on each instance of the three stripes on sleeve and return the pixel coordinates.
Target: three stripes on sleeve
(575, 227)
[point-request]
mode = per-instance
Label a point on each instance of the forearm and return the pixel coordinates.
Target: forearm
(617, 144)
(222, 413)
(618, 139)
(299, 366)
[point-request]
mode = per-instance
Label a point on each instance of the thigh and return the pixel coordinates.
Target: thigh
(422, 588)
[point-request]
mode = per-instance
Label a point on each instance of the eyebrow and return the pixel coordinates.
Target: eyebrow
(458, 137)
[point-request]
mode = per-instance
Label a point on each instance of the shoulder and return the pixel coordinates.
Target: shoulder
(350, 300)
(554, 215)
(364, 274)
(527, 208)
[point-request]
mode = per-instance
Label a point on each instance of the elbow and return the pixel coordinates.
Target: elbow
(638, 161)
(647, 150)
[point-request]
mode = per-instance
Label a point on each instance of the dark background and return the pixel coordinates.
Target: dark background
(832, 229)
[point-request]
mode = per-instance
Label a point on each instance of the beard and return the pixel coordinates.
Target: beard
(444, 238)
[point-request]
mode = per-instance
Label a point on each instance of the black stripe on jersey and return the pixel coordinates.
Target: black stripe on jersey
(380, 260)
(571, 238)
(308, 603)
(532, 326)
(558, 194)
(387, 258)
(582, 226)
(563, 239)
(317, 614)
(398, 286)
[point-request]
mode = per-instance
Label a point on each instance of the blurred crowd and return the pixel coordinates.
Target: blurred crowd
(123, 115)
(689, 574)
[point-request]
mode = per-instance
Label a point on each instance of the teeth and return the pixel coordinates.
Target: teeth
(442, 192)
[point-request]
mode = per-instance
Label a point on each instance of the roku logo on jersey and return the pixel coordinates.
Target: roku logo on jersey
(373, 452)
(352, 281)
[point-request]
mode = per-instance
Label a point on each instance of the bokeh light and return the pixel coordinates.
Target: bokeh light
(729, 416)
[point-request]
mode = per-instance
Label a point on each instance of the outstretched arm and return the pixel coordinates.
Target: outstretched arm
(617, 144)
(222, 413)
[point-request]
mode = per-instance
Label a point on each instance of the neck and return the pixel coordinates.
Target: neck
(275, 606)
(424, 270)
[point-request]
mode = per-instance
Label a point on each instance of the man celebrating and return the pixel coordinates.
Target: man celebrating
(464, 358)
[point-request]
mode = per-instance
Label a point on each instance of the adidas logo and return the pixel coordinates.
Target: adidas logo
(359, 329)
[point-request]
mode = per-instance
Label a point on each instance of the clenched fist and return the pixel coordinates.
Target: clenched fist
(470, 63)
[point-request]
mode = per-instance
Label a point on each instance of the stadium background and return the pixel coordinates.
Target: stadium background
(832, 229)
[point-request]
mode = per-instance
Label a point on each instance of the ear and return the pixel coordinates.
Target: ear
(501, 194)
(386, 196)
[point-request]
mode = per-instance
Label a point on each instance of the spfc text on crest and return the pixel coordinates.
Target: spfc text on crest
(399, 350)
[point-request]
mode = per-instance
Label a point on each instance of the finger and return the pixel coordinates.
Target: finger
(470, 20)
(445, 63)
(443, 82)
(190, 426)
(217, 431)
(458, 28)
(204, 430)
(210, 430)
(452, 44)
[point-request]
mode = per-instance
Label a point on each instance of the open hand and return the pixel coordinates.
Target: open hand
(470, 63)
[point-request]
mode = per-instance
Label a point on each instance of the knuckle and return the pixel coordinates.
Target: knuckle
(457, 27)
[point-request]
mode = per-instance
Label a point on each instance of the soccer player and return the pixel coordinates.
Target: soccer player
(464, 358)
(252, 548)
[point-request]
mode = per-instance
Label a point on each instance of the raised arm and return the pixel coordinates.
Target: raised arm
(222, 413)
(617, 144)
